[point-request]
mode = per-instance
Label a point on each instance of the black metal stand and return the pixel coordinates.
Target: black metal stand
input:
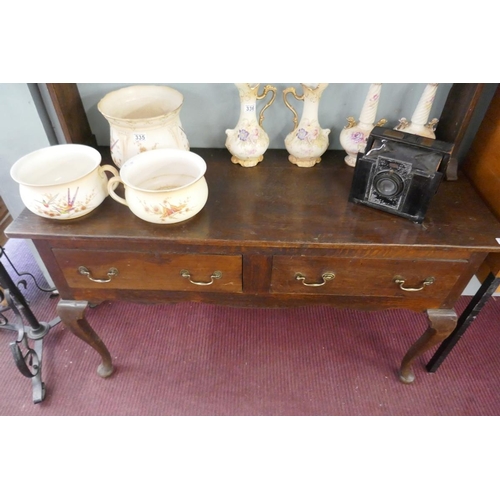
(28, 362)
(470, 313)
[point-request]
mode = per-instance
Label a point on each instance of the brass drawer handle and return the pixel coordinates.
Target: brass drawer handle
(216, 275)
(401, 281)
(326, 277)
(112, 272)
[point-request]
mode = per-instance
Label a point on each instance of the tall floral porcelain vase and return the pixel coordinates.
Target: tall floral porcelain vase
(307, 141)
(418, 124)
(354, 135)
(248, 141)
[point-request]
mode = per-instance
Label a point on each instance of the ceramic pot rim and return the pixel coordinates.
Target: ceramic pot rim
(20, 163)
(176, 153)
(118, 95)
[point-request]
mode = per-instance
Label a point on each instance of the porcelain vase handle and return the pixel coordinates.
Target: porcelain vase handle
(290, 107)
(267, 88)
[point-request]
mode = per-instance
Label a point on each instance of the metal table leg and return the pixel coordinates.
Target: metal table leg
(28, 358)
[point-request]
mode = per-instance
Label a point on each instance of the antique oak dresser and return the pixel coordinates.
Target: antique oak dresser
(272, 236)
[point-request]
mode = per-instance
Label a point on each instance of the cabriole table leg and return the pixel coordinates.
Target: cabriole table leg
(72, 314)
(486, 290)
(441, 323)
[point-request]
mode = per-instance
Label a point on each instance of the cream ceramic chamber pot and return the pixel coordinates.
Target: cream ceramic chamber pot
(143, 118)
(62, 182)
(163, 186)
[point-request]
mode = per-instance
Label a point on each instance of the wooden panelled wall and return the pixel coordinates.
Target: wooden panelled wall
(482, 165)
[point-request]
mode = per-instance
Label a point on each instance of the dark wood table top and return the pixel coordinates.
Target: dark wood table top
(279, 204)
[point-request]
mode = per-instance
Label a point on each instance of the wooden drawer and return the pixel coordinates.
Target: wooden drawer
(364, 277)
(151, 271)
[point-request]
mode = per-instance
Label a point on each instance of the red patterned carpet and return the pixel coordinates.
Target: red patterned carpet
(198, 359)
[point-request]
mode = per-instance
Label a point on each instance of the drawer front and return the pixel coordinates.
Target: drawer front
(364, 277)
(150, 271)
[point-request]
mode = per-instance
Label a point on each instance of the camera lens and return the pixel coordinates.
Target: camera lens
(388, 184)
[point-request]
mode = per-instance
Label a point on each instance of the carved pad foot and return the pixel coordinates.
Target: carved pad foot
(105, 371)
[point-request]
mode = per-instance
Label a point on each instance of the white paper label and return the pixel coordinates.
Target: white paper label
(498, 240)
(139, 137)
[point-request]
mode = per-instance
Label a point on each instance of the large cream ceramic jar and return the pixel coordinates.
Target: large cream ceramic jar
(143, 118)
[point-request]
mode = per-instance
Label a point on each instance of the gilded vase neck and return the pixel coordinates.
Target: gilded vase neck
(313, 91)
(248, 91)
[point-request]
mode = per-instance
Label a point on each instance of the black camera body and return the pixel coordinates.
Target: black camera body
(399, 172)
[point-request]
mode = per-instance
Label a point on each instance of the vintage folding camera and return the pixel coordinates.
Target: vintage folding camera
(399, 172)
